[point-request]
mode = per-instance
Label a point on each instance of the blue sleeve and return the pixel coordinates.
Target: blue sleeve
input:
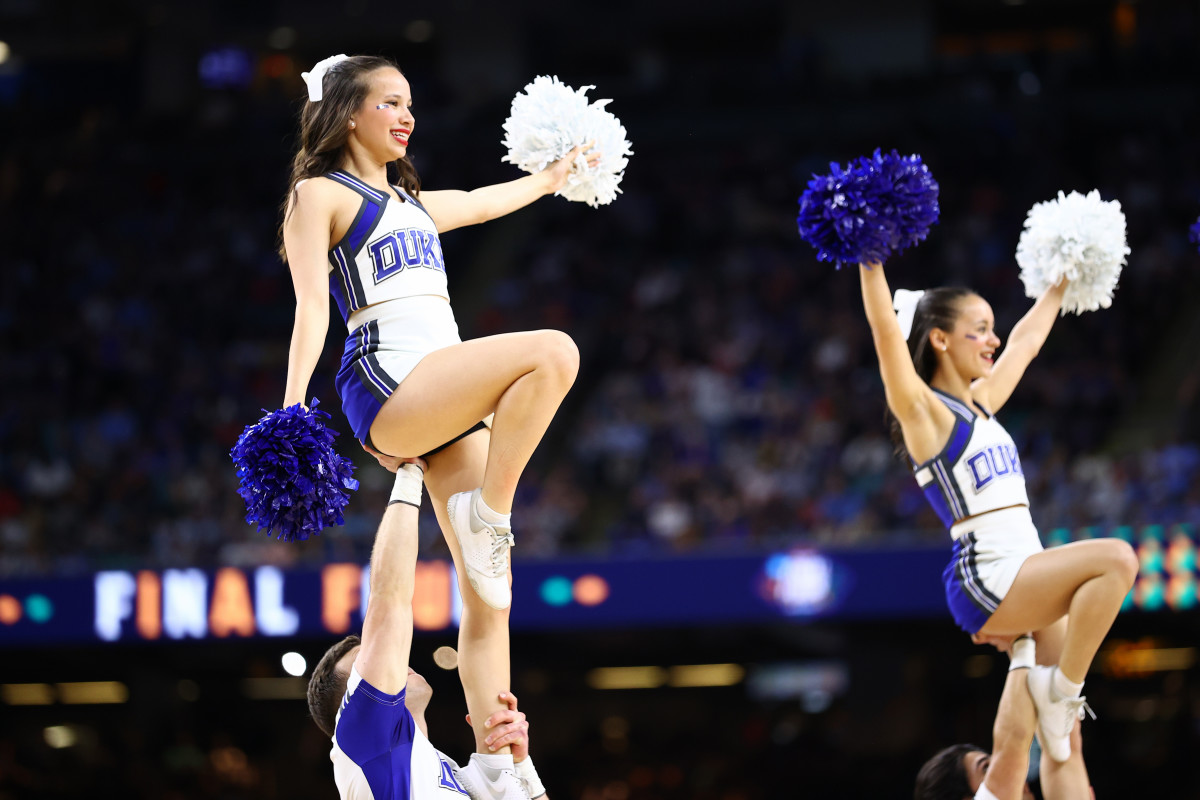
(372, 723)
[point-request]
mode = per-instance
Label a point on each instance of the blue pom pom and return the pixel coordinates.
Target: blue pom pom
(875, 207)
(1194, 233)
(289, 474)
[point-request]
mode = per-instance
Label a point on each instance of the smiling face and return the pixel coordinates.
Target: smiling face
(384, 121)
(970, 346)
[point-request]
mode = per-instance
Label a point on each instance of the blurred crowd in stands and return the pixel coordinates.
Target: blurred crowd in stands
(728, 395)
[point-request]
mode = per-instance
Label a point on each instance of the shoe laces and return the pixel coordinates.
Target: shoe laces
(1074, 709)
(1077, 707)
(501, 543)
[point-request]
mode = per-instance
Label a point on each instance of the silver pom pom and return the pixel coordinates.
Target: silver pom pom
(549, 119)
(1081, 238)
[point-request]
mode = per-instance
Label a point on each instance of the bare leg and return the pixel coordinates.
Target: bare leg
(483, 649)
(1049, 641)
(521, 377)
(1088, 580)
(1068, 780)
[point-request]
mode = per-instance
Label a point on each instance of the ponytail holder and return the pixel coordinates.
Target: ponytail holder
(905, 302)
(313, 79)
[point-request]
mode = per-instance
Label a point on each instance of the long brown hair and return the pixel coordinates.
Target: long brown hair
(325, 127)
(938, 308)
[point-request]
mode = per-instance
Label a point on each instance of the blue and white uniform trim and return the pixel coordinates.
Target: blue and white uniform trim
(379, 752)
(977, 471)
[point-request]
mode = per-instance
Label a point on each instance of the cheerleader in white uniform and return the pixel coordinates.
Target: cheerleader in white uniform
(944, 387)
(409, 386)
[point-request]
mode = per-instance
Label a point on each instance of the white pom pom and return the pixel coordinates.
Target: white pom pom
(548, 120)
(1079, 238)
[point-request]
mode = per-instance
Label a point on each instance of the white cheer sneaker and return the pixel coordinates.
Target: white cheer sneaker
(506, 785)
(484, 550)
(1057, 714)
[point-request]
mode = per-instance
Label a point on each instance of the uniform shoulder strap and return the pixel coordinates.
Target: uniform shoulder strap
(357, 185)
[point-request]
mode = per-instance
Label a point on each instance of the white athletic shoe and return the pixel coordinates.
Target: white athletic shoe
(506, 786)
(484, 550)
(1057, 715)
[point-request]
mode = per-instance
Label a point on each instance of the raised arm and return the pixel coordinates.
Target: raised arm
(306, 235)
(452, 209)
(388, 626)
(926, 422)
(1025, 342)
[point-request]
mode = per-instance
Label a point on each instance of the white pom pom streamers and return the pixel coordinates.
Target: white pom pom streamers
(1077, 237)
(549, 119)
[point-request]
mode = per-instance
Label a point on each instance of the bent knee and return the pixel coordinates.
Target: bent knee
(557, 353)
(1125, 561)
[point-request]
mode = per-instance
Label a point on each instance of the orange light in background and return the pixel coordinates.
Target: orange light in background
(1125, 23)
(10, 609)
(277, 66)
(149, 604)
(340, 595)
(431, 596)
(590, 590)
(232, 611)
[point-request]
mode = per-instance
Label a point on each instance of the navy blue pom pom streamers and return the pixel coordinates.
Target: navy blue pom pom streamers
(289, 474)
(1194, 233)
(877, 206)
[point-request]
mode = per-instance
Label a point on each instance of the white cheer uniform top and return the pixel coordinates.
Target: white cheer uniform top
(977, 471)
(379, 753)
(390, 251)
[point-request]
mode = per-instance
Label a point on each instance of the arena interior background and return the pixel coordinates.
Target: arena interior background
(716, 507)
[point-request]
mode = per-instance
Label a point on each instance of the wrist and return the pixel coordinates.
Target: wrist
(527, 774)
(1022, 654)
(407, 489)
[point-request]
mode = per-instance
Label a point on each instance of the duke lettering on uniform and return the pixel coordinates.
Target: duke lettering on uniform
(992, 463)
(410, 247)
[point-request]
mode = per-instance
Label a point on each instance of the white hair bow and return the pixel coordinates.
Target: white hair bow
(313, 79)
(905, 303)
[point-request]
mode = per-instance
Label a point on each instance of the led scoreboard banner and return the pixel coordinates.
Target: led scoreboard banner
(799, 584)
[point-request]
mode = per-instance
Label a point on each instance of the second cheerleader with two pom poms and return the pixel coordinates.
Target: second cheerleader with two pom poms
(937, 353)
(409, 386)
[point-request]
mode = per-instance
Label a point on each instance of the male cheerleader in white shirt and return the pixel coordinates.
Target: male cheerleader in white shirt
(966, 772)
(364, 695)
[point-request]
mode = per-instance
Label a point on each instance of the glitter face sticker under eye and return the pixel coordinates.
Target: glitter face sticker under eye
(382, 106)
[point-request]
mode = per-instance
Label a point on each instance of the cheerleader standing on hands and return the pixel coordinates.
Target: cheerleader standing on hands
(944, 385)
(409, 386)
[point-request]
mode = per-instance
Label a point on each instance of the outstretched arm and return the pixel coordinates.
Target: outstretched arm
(388, 626)
(1012, 732)
(926, 421)
(452, 209)
(1025, 342)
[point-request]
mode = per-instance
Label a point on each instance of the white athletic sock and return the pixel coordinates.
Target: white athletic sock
(492, 763)
(489, 516)
(1065, 686)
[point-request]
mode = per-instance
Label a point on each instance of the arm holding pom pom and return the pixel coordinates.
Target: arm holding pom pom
(306, 235)
(925, 420)
(452, 209)
(1025, 342)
